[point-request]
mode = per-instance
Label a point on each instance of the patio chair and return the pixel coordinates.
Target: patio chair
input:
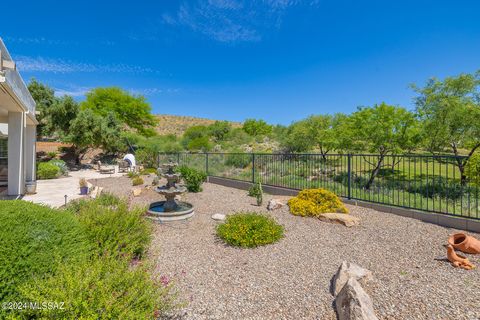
(123, 166)
(105, 168)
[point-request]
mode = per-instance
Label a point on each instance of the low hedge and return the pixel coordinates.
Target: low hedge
(249, 230)
(33, 240)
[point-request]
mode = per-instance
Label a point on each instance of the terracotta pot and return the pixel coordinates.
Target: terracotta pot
(458, 260)
(464, 243)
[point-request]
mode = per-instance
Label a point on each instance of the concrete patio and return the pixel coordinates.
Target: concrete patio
(52, 192)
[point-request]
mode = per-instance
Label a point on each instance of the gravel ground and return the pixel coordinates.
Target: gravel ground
(291, 279)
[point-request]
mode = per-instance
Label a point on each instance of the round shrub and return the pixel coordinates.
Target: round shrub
(62, 166)
(47, 170)
(136, 181)
(34, 239)
(249, 230)
(193, 178)
(314, 202)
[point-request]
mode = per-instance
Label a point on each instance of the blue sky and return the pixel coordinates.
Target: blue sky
(280, 60)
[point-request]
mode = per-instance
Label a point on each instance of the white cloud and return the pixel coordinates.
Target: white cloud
(232, 20)
(72, 91)
(41, 64)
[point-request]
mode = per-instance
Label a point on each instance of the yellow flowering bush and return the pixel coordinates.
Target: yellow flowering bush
(314, 202)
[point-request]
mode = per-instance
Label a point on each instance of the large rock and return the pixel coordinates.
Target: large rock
(136, 192)
(96, 191)
(353, 303)
(349, 270)
(274, 204)
(341, 218)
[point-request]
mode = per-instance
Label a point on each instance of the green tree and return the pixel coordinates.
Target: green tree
(450, 111)
(84, 133)
(219, 130)
(60, 115)
(382, 129)
(44, 97)
(317, 131)
(256, 127)
(129, 109)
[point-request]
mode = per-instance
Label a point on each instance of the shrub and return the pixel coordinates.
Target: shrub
(114, 230)
(193, 178)
(314, 202)
(32, 238)
(104, 199)
(51, 154)
(238, 160)
(439, 187)
(132, 174)
(148, 171)
(61, 165)
(256, 191)
(249, 230)
(136, 181)
(472, 169)
(101, 288)
(46, 170)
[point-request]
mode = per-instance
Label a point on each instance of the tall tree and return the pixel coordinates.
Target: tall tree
(129, 109)
(60, 115)
(382, 129)
(44, 97)
(450, 111)
(317, 131)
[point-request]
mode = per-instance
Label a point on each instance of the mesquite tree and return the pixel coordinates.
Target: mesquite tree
(382, 129)
(450, 111)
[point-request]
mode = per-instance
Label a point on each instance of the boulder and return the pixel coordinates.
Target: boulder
(349, 270)
(341, 218)
(274, 204)
(353, 303)
(96, 191)
(218, 217)
(136, 192)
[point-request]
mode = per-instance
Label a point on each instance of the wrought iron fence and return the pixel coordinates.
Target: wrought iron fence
(421, 182)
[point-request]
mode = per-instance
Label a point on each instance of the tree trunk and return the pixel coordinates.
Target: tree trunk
(375, 171)
(461, 163)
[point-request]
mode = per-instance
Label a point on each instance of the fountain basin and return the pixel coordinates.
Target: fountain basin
(156, 211)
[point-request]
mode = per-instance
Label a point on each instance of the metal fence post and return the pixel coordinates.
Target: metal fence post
(178, 158)
(349, 176)
(206, 163)
(253, 167)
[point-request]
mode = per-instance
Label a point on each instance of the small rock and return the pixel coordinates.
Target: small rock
(353, 303)
(349, 270)
(218, 217)
(136, 192)
(274, 204)
(341, 218)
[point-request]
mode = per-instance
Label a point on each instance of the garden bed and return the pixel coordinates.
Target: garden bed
(291, 278)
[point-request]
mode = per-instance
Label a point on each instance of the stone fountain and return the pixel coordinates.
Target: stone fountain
(170, 209)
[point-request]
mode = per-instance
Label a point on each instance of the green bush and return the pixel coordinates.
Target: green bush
(193, 178)
(132, 174)
(249, 230)
(61, 165)
(256, 191)
(115, 230)
(101, 288)
(32, 239)
(238, 160)
(148, 171)
(136, 181)
(472, 169)
(47, 170)
(105, 199)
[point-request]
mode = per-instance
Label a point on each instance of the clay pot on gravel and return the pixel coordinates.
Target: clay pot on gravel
(458, 260)
(464, 243)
